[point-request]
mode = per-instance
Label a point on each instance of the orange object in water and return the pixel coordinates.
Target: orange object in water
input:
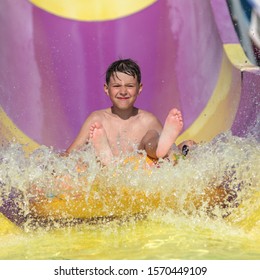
(100, 200)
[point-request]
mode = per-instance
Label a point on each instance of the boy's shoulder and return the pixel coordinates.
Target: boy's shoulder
(100, 112)
(149, 118)
(97, 115)
(146, 114)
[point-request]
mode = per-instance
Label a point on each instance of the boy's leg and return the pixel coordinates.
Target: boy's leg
(149, 143)
(98, 138)
(158, 146)
(171, 130)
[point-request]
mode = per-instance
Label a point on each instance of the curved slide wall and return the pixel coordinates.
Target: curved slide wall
(54, 55)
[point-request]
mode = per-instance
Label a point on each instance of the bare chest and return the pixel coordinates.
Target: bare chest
(124, 135)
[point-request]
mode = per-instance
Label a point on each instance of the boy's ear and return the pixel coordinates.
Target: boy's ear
(140, 88)
(106, 89)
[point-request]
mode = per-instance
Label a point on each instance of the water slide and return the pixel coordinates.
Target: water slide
(54, 56)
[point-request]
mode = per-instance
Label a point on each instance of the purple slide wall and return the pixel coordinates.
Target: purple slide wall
(52, 67)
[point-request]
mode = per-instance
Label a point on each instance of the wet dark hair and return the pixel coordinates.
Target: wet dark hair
(127, 66)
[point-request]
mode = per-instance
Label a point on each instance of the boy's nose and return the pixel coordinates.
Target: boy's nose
(124, 90)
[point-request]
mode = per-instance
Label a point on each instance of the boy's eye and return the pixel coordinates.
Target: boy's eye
(129, 86)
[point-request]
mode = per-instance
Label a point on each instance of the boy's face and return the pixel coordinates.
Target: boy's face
(123, 90)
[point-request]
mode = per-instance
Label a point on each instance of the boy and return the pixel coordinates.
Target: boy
(123, 127)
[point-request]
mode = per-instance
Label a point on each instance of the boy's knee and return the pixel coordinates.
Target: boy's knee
(151, 135)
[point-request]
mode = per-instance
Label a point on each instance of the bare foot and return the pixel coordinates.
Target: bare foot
(98, 138)
(171, 130)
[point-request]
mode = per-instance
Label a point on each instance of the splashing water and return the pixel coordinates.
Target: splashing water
(182, 213)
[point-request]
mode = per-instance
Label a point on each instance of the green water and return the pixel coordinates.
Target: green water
(148, 239)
